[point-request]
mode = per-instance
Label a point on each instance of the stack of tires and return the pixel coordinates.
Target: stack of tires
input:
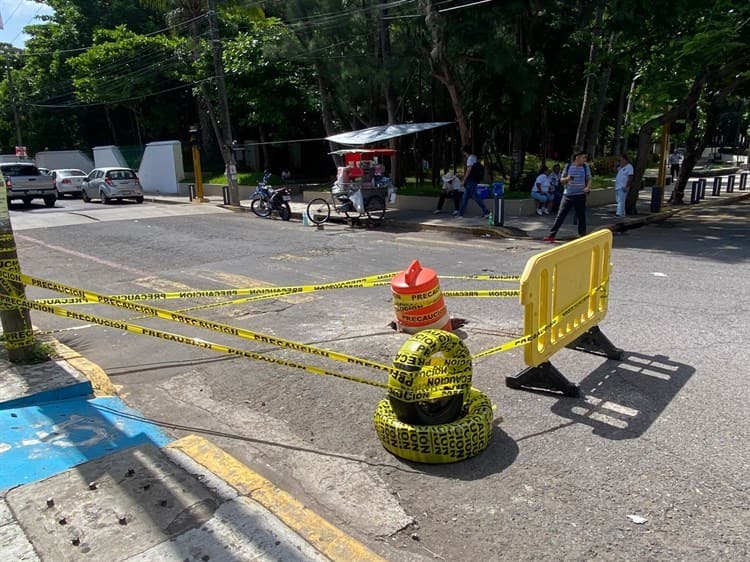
(432, 413)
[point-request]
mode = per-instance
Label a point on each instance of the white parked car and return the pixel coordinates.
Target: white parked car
(112, 183)
(68, 181)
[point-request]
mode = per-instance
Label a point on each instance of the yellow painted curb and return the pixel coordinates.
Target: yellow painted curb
(100, 382)
(327, 539)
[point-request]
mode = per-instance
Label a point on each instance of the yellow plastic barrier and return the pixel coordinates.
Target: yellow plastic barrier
(564, 293)
(555, 281)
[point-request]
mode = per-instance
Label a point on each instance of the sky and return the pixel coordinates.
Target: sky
(16, 15)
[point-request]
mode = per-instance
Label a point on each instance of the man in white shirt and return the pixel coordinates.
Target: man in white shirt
(675, 160)
(623, 181)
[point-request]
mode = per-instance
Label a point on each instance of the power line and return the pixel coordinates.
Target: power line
(79, 49)
(123, 100)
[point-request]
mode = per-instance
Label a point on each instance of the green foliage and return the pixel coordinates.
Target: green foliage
(605, 166)
(517, 68)
(123, 67)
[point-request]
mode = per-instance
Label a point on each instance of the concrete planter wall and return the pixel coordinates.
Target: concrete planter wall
(513, 207)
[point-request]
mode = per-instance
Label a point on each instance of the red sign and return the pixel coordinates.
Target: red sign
(21, 152)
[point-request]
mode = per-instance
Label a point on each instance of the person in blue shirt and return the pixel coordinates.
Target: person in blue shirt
(576, 178)
(472, 176)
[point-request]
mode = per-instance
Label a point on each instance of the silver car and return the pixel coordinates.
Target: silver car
(112, 183)
(68, 181)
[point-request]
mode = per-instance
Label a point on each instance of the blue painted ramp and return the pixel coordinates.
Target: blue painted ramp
(46, 439)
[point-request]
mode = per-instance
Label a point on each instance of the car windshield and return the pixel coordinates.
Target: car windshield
(71, 172)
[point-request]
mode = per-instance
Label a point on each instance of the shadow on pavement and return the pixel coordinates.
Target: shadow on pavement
(622, 399)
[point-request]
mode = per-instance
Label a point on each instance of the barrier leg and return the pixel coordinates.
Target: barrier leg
(543, 377)
(595, 342)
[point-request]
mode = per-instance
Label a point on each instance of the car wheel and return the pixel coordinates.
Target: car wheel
(105, 200)
(139, 199)
(49, 200)
(85, 197)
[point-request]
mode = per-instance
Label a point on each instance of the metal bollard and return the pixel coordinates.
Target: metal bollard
(716, 191)
(191, 192)
(656, 196)
(743, 181)
(702, 184)
(225, 193)
(695, 191)
(730, 184)
(498, 211)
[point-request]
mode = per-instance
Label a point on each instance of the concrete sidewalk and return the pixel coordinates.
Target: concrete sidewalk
(85, 477)
(533, 227)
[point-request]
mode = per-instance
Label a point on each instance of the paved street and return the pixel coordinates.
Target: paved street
(649, 464)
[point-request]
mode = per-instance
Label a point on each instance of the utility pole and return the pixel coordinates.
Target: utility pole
(16, 320)
(225, 128)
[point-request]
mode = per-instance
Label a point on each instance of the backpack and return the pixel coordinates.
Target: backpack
(477, 172)
(586, 168)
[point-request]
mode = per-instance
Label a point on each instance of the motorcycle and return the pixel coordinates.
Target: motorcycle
(266, 199)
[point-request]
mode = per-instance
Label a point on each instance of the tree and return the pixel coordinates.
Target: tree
(122, 69)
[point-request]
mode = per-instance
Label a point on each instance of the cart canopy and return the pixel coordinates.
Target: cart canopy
(383, 132)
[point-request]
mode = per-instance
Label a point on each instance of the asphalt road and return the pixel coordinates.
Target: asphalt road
(650, 464)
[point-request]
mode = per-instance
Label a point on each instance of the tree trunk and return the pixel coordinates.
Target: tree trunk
(688, 163)
(629, 111)
(441, 67)
(583, 121)
(600, 101)
(517, 157)
(617, 139)
(111, 125)
(389, 93)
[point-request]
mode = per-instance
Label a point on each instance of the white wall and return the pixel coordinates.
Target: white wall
(161, 167)
(58, 159)
(109, 156)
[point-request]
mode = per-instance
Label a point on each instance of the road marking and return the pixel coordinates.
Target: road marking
(100, 382)
(331, 541)
(81, 255)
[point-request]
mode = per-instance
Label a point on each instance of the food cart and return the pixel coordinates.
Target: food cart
(361, 187)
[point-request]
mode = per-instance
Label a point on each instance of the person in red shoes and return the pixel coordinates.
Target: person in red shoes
(577, 180)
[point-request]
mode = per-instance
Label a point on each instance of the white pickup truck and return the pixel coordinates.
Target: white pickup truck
(24, 181)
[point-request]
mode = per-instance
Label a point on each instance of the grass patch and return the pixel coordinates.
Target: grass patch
(40, 352)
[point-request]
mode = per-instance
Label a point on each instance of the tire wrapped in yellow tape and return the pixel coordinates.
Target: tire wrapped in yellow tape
(433, 378)
(438, 444)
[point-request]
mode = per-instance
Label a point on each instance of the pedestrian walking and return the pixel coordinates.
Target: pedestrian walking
(623, 181)
(577, 180)
(472, 176)
(675, 161)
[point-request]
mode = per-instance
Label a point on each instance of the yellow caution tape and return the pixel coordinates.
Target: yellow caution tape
(190, 320)
(169, 336)
(528, 338)
(256, 293)
(488, 277)
(491, 294)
